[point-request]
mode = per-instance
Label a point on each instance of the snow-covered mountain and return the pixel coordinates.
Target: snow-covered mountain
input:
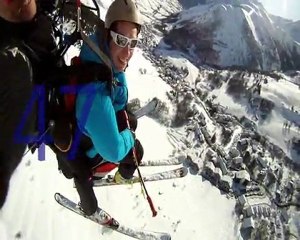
(291, 27)
(294, 30)
(231, 33)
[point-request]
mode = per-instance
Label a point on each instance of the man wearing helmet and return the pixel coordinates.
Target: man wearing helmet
(123, 23)
(100, 105)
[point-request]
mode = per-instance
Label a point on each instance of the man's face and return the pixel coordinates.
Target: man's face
(121, 55)
(17, 10)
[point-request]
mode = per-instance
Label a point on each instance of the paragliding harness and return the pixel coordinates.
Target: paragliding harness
(61, 102)
(62, 87)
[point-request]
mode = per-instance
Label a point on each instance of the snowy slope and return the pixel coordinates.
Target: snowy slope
(232, 33)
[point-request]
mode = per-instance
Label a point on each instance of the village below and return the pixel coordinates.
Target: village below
(228, 145)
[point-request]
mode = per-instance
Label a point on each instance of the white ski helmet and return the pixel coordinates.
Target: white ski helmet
(122, 10)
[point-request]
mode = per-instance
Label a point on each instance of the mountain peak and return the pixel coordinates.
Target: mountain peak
(233, 33)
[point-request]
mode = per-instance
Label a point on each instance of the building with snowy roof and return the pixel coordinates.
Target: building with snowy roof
(243, 177)
(248, 223)
(237, 162)
(214, 160)
(284, 215)
(223, 166)
(248, 211)
(242, 200)
(208, 170)
(210, 153)
(247, 157)
(225, 183)
(243, 144)
(217, 175)
(233, 152)
(262, 162)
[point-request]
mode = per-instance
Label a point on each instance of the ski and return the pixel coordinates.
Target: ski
(171, 174)
(146, 109)
(105, 220)
(164, 162)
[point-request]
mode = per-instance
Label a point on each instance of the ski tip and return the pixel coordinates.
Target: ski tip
(57, 196)
(183, 171)
(114, 224)
(156, 100)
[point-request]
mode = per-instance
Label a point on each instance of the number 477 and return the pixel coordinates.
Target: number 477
(44, 135)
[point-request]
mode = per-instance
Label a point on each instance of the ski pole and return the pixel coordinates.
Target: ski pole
(154, 212)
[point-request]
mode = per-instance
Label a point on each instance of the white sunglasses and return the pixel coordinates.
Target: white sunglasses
(122, 40)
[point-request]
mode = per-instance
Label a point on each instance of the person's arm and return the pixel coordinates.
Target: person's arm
(101, 126)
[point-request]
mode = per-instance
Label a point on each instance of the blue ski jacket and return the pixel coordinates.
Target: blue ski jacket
(96, 109)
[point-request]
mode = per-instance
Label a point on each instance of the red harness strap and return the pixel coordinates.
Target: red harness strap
(104, 168)
(70, 98)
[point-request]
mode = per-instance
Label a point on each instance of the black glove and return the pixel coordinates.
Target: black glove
(122, 120)
(139, 151)
(132, 121)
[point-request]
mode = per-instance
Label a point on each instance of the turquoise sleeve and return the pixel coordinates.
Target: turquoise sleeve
(101, 126)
